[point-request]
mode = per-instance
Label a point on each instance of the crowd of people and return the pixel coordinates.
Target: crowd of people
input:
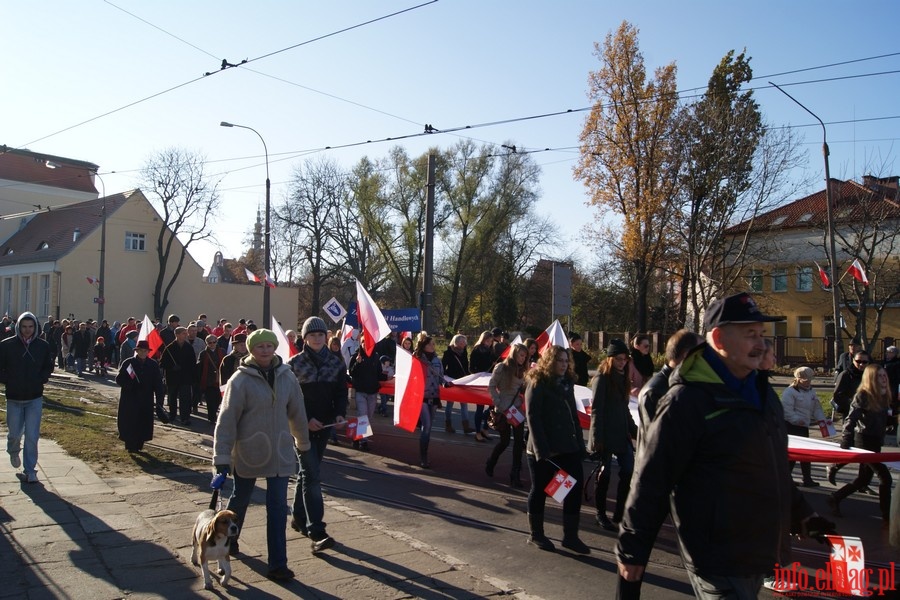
(685, 455)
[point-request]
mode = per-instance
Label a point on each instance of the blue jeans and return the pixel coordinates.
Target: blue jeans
(463, 411)
(308, 508)
(626, 469)
(426, 418)
(24, 417)
(79, 364)
(481, 412)
(276, 514)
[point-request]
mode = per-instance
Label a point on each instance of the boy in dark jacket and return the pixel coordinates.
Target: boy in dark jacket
(25, 366)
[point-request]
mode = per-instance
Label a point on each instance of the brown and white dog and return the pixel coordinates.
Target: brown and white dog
(214, 533)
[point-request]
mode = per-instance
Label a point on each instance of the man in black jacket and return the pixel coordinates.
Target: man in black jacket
(25, 366)
(716, 453)
(180, 365)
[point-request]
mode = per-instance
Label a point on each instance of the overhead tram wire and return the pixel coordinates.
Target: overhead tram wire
(245, 61)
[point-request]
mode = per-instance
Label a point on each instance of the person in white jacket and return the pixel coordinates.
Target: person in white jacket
(261, 419)
(801, 405)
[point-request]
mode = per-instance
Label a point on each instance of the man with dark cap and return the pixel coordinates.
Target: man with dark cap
(323, 380)
(232, 360)
(25, 366)
(180, 365)
(716, 456)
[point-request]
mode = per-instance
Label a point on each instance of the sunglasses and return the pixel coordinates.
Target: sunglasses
(861, 362)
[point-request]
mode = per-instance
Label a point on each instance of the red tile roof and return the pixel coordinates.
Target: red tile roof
(31, 167)
(881, 195)
(55, 228)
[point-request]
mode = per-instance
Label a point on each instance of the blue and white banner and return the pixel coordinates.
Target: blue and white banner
(400, 319)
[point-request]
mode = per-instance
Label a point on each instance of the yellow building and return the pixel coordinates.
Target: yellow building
(51, 256)
(788, 282)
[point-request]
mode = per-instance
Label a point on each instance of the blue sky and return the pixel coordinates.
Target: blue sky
(449, 63)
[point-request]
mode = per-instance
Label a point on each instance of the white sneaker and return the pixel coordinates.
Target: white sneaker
(782, 587)
(15, 461)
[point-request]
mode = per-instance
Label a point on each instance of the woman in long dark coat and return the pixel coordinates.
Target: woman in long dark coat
(142, 389)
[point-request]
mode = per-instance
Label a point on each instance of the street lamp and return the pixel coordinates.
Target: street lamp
(268, 248)
(829, 216)
(101, 276)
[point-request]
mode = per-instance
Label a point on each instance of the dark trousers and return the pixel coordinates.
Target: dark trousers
(213, 397)
(518, 435)
(805, 467)
(179, 400)
(542, 471)
(866, 472)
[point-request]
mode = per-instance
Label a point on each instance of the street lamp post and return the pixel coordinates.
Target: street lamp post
(829, 216)
(267, 240)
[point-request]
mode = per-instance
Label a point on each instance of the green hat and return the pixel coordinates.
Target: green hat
(261, 336)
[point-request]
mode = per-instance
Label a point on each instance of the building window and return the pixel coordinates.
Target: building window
(45, 295)
(779, 280)
(135, 241)
(7, 296)
(780, 328)
(25, 303)
(804, 327)
(804, 279)
(756, 280)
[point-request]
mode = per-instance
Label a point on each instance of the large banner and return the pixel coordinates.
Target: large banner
(400, 319)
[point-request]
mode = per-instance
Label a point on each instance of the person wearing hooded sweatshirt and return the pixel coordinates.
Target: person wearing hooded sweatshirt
(323, 379)
(25, 366)
(261, 419)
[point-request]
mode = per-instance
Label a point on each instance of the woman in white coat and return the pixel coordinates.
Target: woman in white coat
(801, 405)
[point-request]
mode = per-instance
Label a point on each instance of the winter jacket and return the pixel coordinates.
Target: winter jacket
(456, 364)
(481, 359)
(865, 425)
(650, 394)
(259, 423)
(434, 376)
(323, 379)
(612, 426)
(505, 391)
(208, 367)
(25, 365)
(552, 419)
(719, 464)
(844, 388)
(801, 406)
(179, 363)
(365, 372)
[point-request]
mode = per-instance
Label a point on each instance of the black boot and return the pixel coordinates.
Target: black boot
(621, 497)
(537, 537)
(514, 479)
(570, 535)
(423, 455)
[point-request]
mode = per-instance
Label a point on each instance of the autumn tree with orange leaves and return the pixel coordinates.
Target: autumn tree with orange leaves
(630, 158)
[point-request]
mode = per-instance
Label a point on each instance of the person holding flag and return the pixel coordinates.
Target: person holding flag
(140, 382)
(434, 379)
(323, 381)
(506, 387)
(555, 443)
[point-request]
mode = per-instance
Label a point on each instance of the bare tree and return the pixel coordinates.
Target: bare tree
(188, 203)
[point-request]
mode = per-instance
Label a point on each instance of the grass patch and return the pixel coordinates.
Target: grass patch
(85, 427)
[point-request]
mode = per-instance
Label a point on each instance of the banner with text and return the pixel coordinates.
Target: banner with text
(400, 319)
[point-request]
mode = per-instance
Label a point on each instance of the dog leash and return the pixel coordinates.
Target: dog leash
(216, 484)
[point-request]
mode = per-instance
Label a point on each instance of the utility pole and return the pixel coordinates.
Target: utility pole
(428, 284)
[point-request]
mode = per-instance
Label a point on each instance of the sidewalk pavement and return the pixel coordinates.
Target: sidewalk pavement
(80, 534)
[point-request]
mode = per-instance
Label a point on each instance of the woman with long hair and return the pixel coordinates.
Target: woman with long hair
(864, 429)
(533, 355)
(555, 442)
(800, 406)
(434, 379)
(612, 429)
(506, 387)
(482, 361)
(641, 362)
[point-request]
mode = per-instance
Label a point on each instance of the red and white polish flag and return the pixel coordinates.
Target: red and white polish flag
(358, 428)
(859, 274)
(514, 416)
(371, 321)
(154, 340)
(285, 348)
(409, 390)
(848, 565)
(823, 275)
(505, 353)
(827, 429)
(92, 280)
(251, 276)
(552, 336)
(560, 486)
(269, 281)
(131, 373)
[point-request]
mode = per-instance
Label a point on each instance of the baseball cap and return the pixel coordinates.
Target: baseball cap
(735, 309)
